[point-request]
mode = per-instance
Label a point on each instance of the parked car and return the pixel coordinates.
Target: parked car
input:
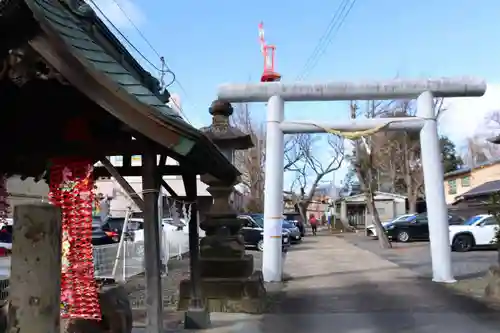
(293, 231)
(415, 227)
(296, 219)
(99, 236)
(371, 230)
(181, 225)
(170, 224)
(113, 227)
(477, 231)
(5, 240)
(253, 233)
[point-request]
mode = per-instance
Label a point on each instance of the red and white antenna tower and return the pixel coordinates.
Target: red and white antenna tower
(269, 75)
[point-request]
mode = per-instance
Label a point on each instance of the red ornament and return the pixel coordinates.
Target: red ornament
(4, 204)
(71, 188)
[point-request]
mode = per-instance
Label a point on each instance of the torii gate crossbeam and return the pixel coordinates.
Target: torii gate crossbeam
(424, 90)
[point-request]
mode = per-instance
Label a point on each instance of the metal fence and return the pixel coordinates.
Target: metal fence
(111, 261)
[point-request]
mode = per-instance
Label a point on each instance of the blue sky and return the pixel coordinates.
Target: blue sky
(207, 43)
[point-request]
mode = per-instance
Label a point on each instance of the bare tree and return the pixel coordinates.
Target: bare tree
(399, 155)
(398, 159)
(364, 165)
(251, 162)
(317, 159)
(477, 148)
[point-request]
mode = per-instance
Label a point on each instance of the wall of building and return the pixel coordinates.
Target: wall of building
(388, 206)
(121, 201)
(456, 185)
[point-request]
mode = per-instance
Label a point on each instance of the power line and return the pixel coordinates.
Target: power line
(333, 27)
(143, 36)
(165, 69)
(128, 41)
(324, 36)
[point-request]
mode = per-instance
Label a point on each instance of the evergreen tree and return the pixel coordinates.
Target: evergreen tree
(451, 160)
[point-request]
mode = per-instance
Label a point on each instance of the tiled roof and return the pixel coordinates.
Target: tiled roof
(467, 170)
(72, 29)
(87, 38)
(484, 189)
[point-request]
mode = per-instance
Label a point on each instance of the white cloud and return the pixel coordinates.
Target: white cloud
(465, 116)
(120, 12)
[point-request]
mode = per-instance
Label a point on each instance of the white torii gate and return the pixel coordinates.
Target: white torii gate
(424, 90)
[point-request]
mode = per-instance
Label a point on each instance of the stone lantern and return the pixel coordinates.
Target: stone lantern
(228, 281)
(226, 137)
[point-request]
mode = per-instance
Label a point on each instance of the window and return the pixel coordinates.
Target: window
(452, 186)
(421, 219)
(490, 221)
(465, 181)
(246, 222)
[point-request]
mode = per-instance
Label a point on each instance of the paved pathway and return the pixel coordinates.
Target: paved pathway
(416, 256)
(338, 287)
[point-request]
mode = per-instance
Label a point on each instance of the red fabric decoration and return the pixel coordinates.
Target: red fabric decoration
(71, 188)
(4, 205)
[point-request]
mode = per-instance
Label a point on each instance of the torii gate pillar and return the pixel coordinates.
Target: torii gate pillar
(424, 90)
(272, 266)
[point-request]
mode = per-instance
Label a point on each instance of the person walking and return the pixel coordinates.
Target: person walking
(313, 221)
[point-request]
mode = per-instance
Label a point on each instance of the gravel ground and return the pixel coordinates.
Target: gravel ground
(416, 256)
(177, 271)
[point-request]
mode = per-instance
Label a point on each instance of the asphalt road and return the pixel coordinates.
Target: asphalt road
(416, 256)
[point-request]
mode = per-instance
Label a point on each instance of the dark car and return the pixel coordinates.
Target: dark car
(253, 232)
(100, 236)
(415, 227)
(5, 240)
(113, 227)
(293, 231)
(296, 219)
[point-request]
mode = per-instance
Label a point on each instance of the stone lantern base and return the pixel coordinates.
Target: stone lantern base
(236, 295)
(228, 280)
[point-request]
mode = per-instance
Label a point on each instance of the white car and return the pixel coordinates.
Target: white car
(137, 228)
(371, 230)
(477, 231)
(169, 224)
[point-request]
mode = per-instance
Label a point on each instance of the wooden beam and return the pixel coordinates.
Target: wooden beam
(169, 189)
(161, 163)
(121, 181)
(127, 160)
(163, 160)
(189, 179)
(125, 171)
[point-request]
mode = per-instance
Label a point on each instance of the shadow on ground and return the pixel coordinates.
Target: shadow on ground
(379, 307)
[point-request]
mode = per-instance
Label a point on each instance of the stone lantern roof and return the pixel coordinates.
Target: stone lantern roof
(221, 133)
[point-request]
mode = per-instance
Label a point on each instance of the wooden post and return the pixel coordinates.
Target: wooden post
(152, 253)
(197, 315)
(35, 278)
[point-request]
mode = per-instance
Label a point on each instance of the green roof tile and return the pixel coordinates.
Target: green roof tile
(71, 29)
